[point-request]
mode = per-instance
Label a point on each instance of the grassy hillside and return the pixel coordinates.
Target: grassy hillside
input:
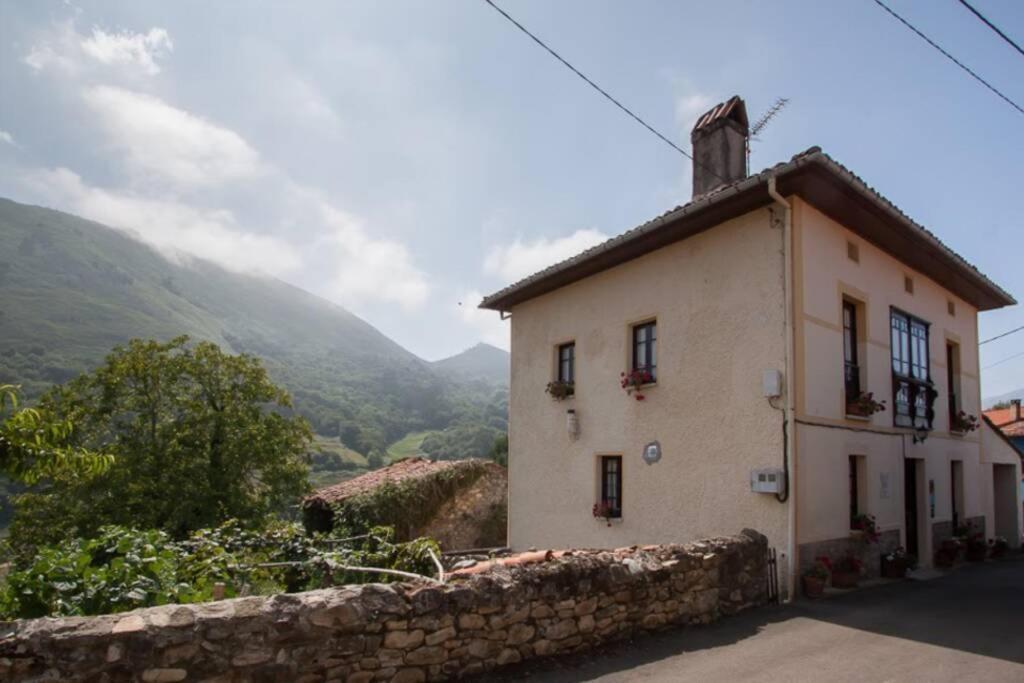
(408, 446)
(71, 289)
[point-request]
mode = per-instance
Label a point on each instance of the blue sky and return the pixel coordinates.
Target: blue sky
(403, 157)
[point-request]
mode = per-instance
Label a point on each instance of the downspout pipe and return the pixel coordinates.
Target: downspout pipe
(790, 411)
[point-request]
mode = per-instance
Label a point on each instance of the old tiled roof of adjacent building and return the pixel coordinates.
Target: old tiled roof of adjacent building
(1005, 420)
(403, 470)
(824, 183)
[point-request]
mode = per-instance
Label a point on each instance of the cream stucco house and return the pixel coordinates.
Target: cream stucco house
(762, 312)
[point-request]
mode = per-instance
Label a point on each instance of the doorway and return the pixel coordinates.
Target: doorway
(910, 504)
(956, 492)
(1004, 498)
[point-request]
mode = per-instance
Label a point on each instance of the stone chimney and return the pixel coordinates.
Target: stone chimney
(720, 146)
(1015, 410)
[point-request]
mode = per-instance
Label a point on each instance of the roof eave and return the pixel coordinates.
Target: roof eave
(835, 199)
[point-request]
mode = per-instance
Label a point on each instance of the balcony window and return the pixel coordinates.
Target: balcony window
(912, 389)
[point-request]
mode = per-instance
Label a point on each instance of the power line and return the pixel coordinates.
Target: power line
(1000, 336)
(599, 89)
(1000, 362)
(947, 55)
(992, 26)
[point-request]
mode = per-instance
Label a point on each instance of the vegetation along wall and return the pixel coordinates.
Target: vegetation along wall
(483, 617)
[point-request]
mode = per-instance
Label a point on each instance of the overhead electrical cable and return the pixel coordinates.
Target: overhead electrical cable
(1000, 336)
(992, 26)
(601, 90)
(1000, 362)
(949, 56)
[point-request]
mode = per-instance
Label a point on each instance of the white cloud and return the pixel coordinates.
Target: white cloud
(134, 49)
(487, 324)
(7, 138)
(63, 49)
(169, 143)
(173, 228)
(515, 261)
(367, 268)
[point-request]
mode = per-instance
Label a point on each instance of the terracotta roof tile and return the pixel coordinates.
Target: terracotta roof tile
(1003, 420)
(409, 468)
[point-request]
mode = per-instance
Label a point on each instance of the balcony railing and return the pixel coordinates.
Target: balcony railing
(912, 403)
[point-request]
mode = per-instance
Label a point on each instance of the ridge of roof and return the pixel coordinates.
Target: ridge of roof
(719, 195)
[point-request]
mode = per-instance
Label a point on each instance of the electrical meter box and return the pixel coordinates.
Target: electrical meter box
(771, 383)
(770, 480)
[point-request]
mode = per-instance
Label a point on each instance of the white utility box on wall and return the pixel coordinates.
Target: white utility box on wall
(771, 383)
(769, 480)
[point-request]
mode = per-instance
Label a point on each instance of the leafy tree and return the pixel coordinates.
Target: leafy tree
(499, 452)
(375, 460)
(197, 437)
(34, 446)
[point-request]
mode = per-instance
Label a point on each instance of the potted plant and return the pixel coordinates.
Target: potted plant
(604, 511)
(864, 405)
(963, 423)
(816, 576)
(846, 572)
(865, 527)
(977, 549)
(947, 553)
(896, 563)
(634, 380)
(560, 389)
(998, 547)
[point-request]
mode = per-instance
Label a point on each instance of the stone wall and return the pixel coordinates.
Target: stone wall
(531, 605)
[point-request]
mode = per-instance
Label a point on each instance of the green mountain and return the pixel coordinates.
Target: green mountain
(481, 362)
(71, 289)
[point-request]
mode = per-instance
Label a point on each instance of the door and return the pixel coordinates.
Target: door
(1004, 498)
(910, 504)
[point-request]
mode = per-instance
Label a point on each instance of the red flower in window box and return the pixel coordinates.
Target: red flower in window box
(603, 510)
(634, 380)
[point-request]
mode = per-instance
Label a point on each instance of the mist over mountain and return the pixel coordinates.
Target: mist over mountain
(71, 289)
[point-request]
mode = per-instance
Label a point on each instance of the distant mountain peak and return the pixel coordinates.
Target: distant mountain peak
(482, 361)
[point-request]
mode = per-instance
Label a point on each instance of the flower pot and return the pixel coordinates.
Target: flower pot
(894, 569)
(813, 586)
(841, 579)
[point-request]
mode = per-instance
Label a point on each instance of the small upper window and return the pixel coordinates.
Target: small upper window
(645, 348)
(853, 252)
(950, 307)
(567, 363)
(908, 284)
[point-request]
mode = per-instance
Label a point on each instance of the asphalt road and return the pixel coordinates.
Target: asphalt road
(965, 626)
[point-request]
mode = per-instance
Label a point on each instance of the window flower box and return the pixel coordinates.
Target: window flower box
(864, 405)
(634, 381)
(561, 390)
(962, 423)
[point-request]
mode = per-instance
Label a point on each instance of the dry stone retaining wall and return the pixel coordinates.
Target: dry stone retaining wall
(569, 602)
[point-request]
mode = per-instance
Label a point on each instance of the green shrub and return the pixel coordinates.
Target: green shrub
(123, 569)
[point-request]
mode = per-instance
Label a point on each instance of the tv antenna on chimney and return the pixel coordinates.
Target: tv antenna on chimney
(763, 122)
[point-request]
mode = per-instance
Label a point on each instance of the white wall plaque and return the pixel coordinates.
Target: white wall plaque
(883, 485)
(652, 452)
